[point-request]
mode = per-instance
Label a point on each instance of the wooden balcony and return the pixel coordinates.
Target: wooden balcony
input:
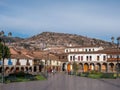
(113, 59)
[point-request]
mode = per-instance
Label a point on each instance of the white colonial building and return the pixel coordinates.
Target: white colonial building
(33, 62)
(92, 58)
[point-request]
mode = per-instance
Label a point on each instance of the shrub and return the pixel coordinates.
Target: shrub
(108, 75)
(98, 75)
(20, 74)
(95, 76)
(85, 74)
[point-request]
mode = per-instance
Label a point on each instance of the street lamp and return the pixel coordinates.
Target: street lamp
(118, 43)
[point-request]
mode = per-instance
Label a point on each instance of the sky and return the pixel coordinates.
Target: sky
(92, 18)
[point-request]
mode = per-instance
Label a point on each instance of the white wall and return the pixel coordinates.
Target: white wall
(83, 49)
(22, 61)
(12, 60)
(94, 57)
(31, 62)
(53, 62)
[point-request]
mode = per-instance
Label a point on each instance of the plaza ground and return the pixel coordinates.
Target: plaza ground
(61, 81)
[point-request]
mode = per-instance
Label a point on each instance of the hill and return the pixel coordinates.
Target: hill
(11, 39)
(53, 39)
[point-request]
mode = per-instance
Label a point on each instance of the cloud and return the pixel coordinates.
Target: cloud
(72, 17)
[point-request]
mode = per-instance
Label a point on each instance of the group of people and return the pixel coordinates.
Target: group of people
(52, 71)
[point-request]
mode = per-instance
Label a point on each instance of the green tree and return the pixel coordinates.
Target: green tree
(112, 38)
(4, 51)
(75, 67)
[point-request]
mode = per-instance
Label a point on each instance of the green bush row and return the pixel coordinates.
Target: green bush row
(97, 75)
(22, 77)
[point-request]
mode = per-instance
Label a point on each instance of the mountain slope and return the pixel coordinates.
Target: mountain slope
(48, 39)
(11, 39)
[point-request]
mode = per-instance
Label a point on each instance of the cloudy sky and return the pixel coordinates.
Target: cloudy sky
(91, 18)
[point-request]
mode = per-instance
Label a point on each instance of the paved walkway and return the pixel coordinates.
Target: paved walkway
(65, 82)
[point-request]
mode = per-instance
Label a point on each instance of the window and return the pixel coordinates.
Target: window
(63, 57)
(104, 57)
(86, 50)
(90, 58)
(71, 58)
(79, 58)
(98, 58)
(66, 51)
(87, 58)
(89, 50)
(111, 56)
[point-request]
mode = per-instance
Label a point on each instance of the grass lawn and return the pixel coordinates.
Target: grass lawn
(39, 77)
(95, 76)
(22, 77)
(99, 75)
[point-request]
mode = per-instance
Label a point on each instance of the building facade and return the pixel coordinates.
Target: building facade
(93, 58)
(30, 62)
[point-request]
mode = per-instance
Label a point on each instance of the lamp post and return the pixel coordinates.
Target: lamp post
(118, 68)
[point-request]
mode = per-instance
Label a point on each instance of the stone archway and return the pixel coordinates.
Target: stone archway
(69, 67)
(92, 66)
(12, 69)
(17, 69)
(35, 68)
(98, 67)
(80, 67)
(104, 67)
(22, 69)
(30, 69)
(111, 67)
(86, 67)
(26, 69)
(117, 67)
(7, 70)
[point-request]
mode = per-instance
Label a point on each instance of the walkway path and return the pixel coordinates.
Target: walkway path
(65, 82)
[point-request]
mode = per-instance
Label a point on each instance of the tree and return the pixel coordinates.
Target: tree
(2, 33)
(9, 34)
(4, 51)
(75, 67)
(112, 39)
(118, 42)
